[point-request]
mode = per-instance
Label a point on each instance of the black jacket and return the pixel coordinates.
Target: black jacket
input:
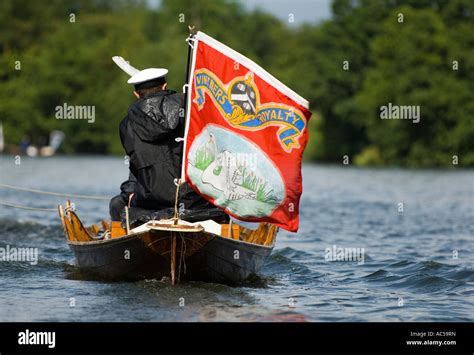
(148, 136)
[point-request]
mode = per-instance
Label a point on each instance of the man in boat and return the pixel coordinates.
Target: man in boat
(151, 135)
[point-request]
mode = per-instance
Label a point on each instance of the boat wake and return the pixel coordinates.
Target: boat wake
(424, 276)
(28, 247)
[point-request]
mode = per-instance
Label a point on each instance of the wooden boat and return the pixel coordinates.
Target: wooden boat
(166, 249)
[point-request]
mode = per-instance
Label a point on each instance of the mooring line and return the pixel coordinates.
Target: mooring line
(86, 197)
(13, 205)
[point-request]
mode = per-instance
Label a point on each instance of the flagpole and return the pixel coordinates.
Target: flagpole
(180, 180)
(192, 33)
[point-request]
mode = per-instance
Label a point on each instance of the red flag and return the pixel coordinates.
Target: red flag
(245, 136)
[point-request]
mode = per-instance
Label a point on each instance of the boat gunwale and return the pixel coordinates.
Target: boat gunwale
(134, 235)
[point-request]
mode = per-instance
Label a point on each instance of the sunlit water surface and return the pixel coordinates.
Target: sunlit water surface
(417, 265)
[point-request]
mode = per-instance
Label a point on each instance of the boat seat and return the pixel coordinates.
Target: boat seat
(137, 216)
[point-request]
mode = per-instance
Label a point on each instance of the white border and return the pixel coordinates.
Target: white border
(262, 73)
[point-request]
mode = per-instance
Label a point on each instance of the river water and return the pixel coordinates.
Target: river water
(413, 229)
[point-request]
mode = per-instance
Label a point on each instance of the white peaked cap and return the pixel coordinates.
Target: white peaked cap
(147, 75)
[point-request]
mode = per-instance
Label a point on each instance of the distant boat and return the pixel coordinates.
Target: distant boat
(55, 140)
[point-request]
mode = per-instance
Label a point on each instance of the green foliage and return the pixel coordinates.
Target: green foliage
(315, 147)
(255, 184)
(263, 195)
(370, 156)
(412, 67)
(203, 159)
(348, 67)
(249, 180)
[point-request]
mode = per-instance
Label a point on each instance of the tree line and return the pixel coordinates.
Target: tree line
(369, 55)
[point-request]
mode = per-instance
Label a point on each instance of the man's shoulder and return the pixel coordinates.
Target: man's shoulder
(173, 101)
(123, 126)
(172, 96)
(123, 123)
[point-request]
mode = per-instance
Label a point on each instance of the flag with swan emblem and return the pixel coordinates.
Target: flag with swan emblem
(245, 136)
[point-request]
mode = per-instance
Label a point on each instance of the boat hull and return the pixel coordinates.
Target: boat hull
(199, 257)
(225, 260)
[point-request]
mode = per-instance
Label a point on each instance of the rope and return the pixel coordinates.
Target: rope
(27, 207)
(176, 212)
(86, 197)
